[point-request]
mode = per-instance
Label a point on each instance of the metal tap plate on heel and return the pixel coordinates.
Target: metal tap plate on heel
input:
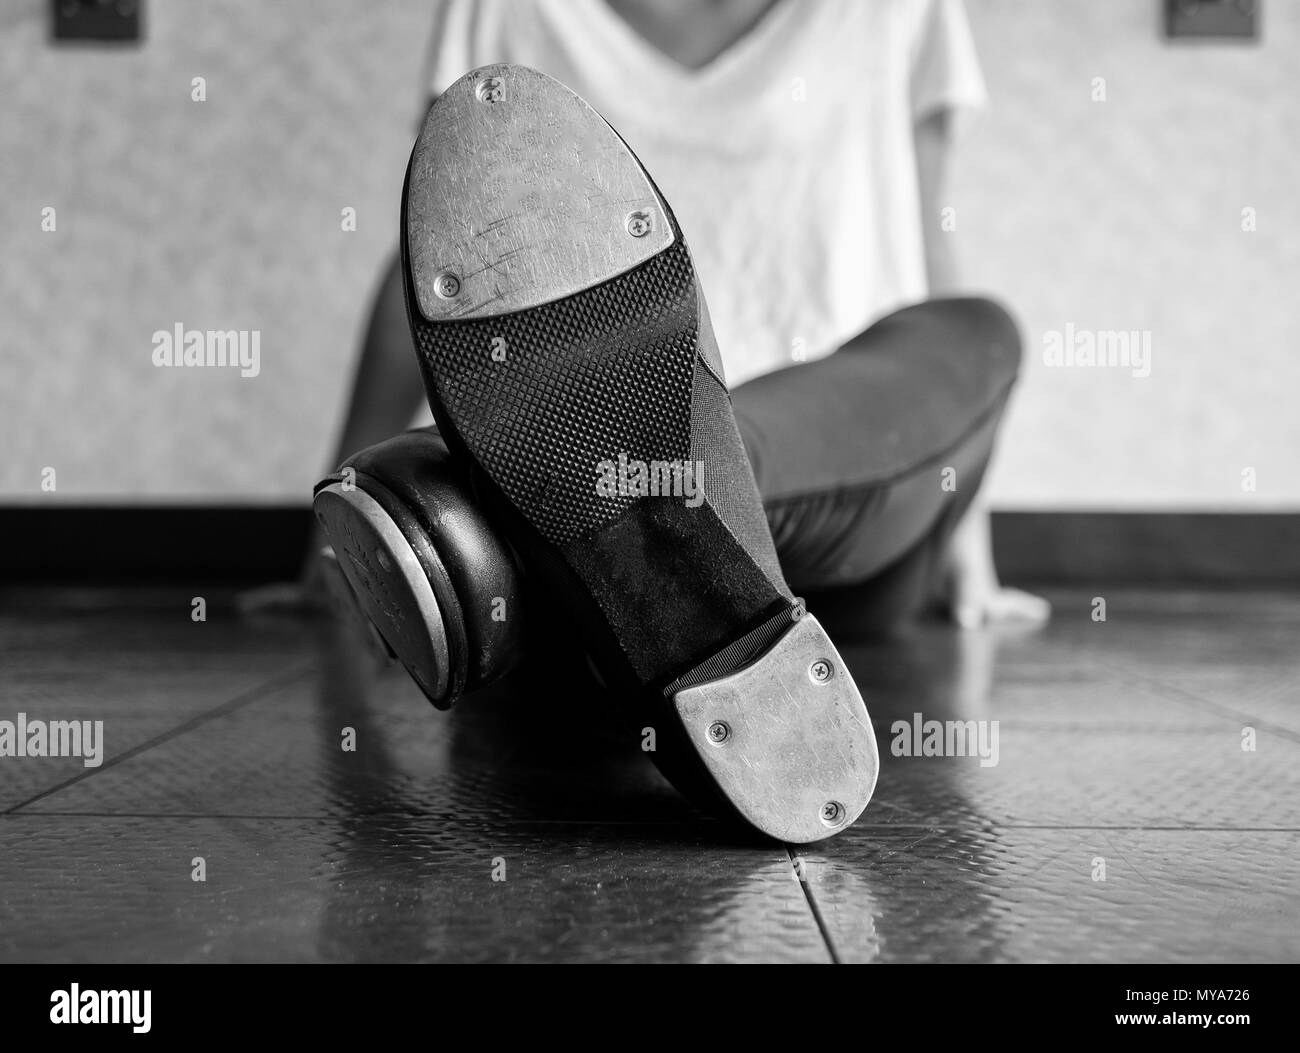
(787, 738)
(390, 585)
(344, 603)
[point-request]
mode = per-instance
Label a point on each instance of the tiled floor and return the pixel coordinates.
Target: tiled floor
(1120, 742)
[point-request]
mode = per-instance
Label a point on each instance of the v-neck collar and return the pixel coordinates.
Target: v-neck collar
(761, 36)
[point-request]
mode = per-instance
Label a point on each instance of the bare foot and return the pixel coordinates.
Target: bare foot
(975, 596)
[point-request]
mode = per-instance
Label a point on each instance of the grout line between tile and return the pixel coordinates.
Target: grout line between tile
(238, 702)
(1191, 698)
(795, 864)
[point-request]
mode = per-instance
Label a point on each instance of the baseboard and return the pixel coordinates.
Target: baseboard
(151, 545)
(1219, 549)
(243, 545)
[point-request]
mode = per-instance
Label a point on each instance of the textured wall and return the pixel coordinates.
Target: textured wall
(1126, 215)
(1115, 215)
(222, 214)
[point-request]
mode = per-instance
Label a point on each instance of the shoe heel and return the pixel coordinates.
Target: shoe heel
(786, 737)
(392, 584)
(344, 603)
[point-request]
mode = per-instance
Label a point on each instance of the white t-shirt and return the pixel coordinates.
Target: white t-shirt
(789, 160)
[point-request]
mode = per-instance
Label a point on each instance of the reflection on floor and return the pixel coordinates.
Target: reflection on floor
(1145, 803)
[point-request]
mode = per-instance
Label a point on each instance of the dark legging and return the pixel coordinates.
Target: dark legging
(866, 459)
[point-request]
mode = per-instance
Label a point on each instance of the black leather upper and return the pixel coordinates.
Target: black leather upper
(417, 468)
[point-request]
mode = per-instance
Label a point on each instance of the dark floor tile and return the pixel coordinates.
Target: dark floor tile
(1120, 740)
(283, 755)
(1081, 777)
(986, 894)
(409, 889)
(136, 661)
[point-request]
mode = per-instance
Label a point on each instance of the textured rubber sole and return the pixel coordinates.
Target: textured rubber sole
(591, 417)
(551, 401)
